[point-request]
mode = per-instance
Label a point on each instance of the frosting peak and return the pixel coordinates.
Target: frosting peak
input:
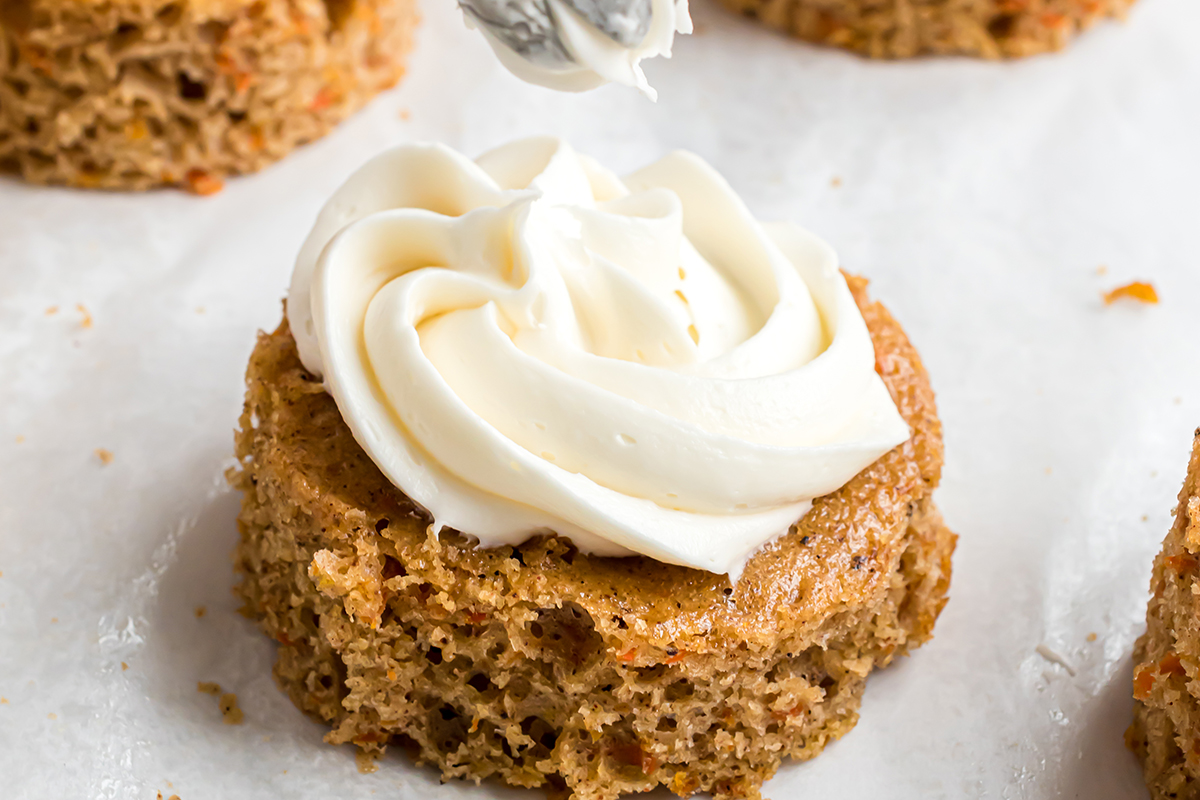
(526, 343)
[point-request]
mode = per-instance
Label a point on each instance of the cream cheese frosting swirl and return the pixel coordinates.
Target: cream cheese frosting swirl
(526, 343)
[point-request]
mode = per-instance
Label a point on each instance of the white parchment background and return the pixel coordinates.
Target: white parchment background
(980, 198)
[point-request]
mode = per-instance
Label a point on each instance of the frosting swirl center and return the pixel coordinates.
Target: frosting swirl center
(527, 343)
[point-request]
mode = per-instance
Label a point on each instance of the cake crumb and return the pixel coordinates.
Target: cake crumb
(1141, 291)
(1102, 270)
(51, 311)
(835, 182)
(1050, 655)
(86, 322)
(3, 701)
(53, 620)
(405, 114)
(199, 309)
(1091, 637)
(105, 456)
(230, 711)
(52, 716)
(366, 762)
(200, 611)
(20, 439)
(173, 797)
(208, 688)
(124, 666)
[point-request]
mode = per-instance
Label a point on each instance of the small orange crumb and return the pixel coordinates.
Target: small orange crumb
(20, 439)
(199, 309)
(51, 311)
(1145, 517)
(105, 456)
(1048, 470)
(54, 619)
(1091, 637)
(200, 611)
(391, 673)
(1102, 270)
(205, 687)
(1137, 290)
(173, 797)
(124, 666)
(3, 701)
(86, 322)
(52, 716)
(836, 182)
(230, 711)
(405, 114)
(201, 183)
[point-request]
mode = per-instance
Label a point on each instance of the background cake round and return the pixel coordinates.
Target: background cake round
(906, 28)
(1165, 733)
(131, 94)
(543, 665)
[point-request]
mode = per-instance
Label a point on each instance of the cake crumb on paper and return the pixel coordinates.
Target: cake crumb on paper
(1091, 637)
(105, 456)
(208, 688)
(1050, 655)
(20, 439)
(3, 701)
(86, 322)
(366, 762)
(124, 666)
(53, 620)
(201, 611)
(1102, 270)
(51, 311)
(405, 114)
(52, 715)
(835, 182)
(230, 711)
(1140, 291)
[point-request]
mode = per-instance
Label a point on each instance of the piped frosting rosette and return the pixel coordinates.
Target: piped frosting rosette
(526, 343)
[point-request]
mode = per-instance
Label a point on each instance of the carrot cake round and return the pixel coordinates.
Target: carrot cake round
(132, 94)
(580, 481)
(1166, 719)
(906, 28)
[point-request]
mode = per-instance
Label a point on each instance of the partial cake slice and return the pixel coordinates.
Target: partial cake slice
(131, 94)
(544, 665)
(1166, 725)
(903, 29)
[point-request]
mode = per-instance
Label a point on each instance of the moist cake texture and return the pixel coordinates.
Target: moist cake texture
(1166, 724)
(906, 28)
(130, 94)
(544, 666)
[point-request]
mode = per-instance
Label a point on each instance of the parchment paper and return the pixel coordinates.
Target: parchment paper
(982, 199)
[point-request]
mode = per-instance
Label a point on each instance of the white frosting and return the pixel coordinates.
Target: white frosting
(596, 59)
(526, 343)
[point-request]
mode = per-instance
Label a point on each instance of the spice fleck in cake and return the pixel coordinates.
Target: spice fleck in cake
(584, 482)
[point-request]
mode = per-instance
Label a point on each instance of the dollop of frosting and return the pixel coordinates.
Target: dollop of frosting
(574, 54)
(526, 343)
